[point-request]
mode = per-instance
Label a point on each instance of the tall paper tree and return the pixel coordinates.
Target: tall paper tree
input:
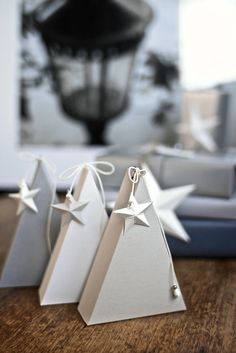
(83, 221)
(132, 274)
(36, 230)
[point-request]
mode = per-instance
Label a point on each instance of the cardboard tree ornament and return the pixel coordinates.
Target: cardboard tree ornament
(83, 222)
(36, 230)
(132, 274)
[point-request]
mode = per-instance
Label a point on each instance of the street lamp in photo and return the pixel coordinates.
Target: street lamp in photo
(91, 46)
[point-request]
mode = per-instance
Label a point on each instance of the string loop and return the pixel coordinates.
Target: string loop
(72, 172)
(134, 175)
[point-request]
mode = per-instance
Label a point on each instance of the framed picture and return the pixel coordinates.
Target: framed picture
(69, 101)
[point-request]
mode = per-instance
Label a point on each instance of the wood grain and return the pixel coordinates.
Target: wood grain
(208, 326)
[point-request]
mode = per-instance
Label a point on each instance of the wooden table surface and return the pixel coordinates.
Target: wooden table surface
(208, 326)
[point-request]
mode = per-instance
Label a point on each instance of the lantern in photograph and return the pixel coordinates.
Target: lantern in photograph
(91, 46)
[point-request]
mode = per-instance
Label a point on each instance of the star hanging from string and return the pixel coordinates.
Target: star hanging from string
(134, 213)
(200, 130)
(25, 198)
(72, 208)
(165, 202)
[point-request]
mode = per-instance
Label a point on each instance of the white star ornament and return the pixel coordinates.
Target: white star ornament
(25, 198)
(134, 213)
(72, 208)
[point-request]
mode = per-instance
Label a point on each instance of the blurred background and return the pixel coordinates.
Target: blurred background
(130, 80)
(117, 83)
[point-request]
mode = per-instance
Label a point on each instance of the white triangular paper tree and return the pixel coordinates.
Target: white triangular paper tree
(36, 230)
(132, 274)
(165, 202)
(83, 221)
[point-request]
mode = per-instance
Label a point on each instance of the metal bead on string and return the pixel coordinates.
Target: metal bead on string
(175, 291)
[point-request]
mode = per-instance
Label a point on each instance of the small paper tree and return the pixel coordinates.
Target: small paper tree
(83, 221)
(132, 274)
(36, 230)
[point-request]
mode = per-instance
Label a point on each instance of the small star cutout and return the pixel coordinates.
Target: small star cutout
(134, 213)
(25, 198)
(72, 207)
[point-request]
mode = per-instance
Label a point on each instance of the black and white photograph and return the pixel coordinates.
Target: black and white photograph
(107, 75)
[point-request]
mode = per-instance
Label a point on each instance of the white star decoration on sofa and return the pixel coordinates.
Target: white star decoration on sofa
(199, 129)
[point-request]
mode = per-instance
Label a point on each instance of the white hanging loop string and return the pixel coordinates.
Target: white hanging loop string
(72, 172)
(134, 174)
(31, 157)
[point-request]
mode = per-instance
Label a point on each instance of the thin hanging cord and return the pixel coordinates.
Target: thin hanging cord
(172, 276)
(49, 219)
(134, 174)
(72, 172)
